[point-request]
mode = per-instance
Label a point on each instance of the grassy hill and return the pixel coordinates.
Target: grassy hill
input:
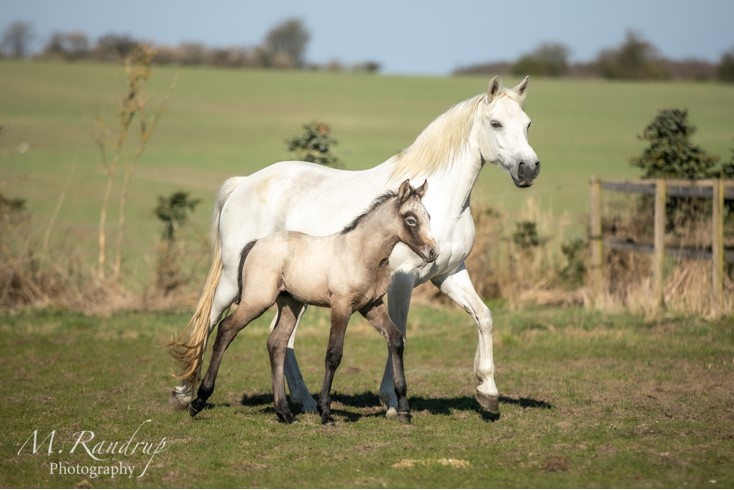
(221, 122)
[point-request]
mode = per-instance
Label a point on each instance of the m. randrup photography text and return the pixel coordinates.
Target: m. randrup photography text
(103, 456)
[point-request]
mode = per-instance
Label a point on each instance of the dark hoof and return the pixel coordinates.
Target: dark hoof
(196, 407)
(286, 417)
(404, 417)
(328, 421)
(489, 403)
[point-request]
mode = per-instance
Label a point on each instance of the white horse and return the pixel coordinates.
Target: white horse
(489, 128)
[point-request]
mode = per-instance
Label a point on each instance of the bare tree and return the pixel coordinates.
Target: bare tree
(17, 39)
(287, 40)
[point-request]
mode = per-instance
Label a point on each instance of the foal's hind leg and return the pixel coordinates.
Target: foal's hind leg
(227, 331)
(379, 318)
(286, 319)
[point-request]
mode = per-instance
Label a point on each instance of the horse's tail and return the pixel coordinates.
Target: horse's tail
(188, 348)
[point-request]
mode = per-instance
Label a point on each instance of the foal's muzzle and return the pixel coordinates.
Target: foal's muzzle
(430, 254)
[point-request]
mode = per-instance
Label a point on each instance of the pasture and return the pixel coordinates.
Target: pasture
(220, 123)
(588, 400)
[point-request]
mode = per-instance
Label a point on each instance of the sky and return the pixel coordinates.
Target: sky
(429, 37)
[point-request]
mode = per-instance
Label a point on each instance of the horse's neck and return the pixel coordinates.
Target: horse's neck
(455, 178)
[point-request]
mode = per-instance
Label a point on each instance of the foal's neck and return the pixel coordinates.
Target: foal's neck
(374, 237)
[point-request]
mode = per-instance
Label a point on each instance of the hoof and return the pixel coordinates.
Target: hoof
(489, 403)
(403, 417)
(286, 418)
(328, 421)
(391, 413)
(196, 407)
(177, 403)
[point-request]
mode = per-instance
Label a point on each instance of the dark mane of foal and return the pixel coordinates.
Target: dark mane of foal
(375, 204)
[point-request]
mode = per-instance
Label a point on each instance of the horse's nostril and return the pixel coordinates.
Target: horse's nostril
(537, 168)
(521, 170)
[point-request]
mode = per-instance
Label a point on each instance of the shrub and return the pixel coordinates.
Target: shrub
(314, 145)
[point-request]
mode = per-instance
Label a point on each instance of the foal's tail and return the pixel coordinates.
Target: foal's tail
(188, 348)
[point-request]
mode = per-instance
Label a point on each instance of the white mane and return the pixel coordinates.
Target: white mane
(437, 146)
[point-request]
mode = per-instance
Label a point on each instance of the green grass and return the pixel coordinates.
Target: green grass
(223, 122)
(589, 400)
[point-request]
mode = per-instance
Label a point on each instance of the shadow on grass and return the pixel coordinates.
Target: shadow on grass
(369, 405)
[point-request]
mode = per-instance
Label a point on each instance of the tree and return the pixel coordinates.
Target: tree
(17, 38)
(549, 59)
(726, 66)
(635, 59)
(287, 41)
(671, 154)
(69, 46)
(113, 47)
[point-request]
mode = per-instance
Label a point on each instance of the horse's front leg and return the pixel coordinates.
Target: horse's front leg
(339, 320)
(459, 288)
(378, 317)
(398, 304)
(296, 385)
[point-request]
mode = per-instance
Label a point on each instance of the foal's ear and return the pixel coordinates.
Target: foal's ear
(421, 191)
(404, 191)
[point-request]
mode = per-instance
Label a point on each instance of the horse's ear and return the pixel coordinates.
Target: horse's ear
(522, 88)
(495, 84)
(404, 191)
(421, 191)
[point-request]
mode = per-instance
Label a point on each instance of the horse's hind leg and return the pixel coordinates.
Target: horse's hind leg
(379, 318)
(285, 322)
(227, 331)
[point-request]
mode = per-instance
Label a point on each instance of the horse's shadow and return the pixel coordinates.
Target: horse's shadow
(368, 405)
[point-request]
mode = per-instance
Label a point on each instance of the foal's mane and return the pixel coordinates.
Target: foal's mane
(375, 204)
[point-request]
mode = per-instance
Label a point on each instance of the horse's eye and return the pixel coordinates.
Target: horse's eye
(496, 124)
(410, 221)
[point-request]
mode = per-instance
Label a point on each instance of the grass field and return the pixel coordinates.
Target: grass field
(221, 122)
(588, 400)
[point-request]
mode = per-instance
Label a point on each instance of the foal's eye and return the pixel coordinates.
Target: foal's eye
(496, 124)
(410, 221)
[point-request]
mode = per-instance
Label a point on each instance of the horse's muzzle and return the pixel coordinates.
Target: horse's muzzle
(526, 174)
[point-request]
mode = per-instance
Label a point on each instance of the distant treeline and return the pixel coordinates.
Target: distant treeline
(284, 47)
(634, 59)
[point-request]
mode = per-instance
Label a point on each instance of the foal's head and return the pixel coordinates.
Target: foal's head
(414, 228)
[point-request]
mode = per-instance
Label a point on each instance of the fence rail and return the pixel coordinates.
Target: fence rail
(716, 190)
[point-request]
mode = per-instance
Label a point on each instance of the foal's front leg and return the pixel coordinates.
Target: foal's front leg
(379, 318)
(286, 319)
(339, 320)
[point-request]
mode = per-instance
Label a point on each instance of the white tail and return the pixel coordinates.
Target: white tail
(188, 349)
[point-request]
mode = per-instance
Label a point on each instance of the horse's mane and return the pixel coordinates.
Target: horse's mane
(375, 204)
(433, 150)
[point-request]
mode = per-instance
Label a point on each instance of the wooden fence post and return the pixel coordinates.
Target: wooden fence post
(717, 245)
(658, 262)
(596, 276)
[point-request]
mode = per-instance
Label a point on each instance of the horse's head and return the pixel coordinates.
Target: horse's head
(503, 132)
(415, 224)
